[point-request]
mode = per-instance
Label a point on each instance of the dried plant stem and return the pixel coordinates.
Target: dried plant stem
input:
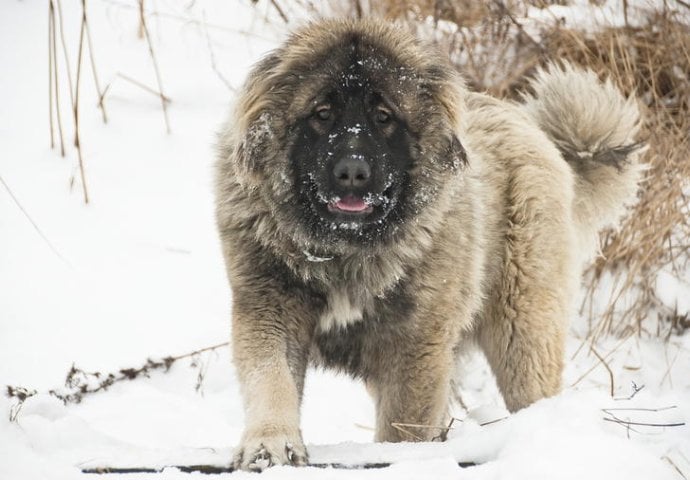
(638, 409)
(124, 77)
(608, 369)
(675, 467)
(613, 350)
(149, 41)
(64, 51)
(53, 60)
(201, 350)
(643, 424)
(142, 26)
(77, 140)
(101, 105)
(506, 11)
(213, 57)
(404, 427)
(79, 383)
(31, 221)
(51, 30)
(280, 11)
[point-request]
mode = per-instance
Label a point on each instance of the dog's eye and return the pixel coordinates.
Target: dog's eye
(382, 116)
(323, 112)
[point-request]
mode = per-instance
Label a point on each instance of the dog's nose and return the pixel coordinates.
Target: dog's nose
(352, 171)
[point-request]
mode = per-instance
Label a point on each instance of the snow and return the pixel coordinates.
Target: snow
(139, 274)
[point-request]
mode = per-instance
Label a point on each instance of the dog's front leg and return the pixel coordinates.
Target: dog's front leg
(270, 345)
(412, 393)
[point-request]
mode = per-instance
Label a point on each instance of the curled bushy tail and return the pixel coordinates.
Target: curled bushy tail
(594, 127)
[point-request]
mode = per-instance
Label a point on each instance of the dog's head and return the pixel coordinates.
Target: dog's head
(349, 131)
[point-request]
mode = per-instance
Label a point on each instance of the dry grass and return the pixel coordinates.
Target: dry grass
(497, 47)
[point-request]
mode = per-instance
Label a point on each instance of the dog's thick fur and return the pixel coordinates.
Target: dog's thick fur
(503, 206)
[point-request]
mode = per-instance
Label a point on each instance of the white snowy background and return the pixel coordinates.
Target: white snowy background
(137, 273)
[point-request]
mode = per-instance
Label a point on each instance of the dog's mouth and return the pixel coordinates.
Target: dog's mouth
(352, 208)
(350, 205)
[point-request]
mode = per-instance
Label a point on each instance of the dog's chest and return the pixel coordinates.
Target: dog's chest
(343, 308)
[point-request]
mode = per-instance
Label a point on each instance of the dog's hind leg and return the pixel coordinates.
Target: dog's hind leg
(526, 314)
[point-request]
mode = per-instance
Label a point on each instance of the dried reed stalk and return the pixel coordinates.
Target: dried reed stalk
(61, 24)
(54, 85)
(147, 35)
(131, 80)
(51, 30)
(280, 11)
(31, 221)
(77, 140)
(93, 66)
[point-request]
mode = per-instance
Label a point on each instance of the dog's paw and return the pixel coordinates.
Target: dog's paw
(263, 448)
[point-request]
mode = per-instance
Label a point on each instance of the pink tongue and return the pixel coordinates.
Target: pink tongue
(351, 204)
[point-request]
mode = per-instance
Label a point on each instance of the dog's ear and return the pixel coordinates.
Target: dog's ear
(244, 148)
(253, 148)
(254, 128)
(456, 155)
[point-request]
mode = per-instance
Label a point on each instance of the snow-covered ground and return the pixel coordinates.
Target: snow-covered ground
(138, 273)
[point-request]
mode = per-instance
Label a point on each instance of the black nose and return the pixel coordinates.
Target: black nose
(352, 172)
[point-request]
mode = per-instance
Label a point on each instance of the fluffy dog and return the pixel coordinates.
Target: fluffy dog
(374, 215)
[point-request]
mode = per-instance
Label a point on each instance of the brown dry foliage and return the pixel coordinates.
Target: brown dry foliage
(496, 48)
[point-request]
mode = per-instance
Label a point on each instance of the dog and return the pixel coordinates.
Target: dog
(375, 216)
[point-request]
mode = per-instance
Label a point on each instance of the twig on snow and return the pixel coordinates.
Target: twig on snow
(628, 423)
(638, 409)
(79, 383)
(126, 78)
(443, 430)
(20, 394)
(671, 462)
(643, 424)
(584, 375)
(28, 217)
(608, 369)
(635, 391)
